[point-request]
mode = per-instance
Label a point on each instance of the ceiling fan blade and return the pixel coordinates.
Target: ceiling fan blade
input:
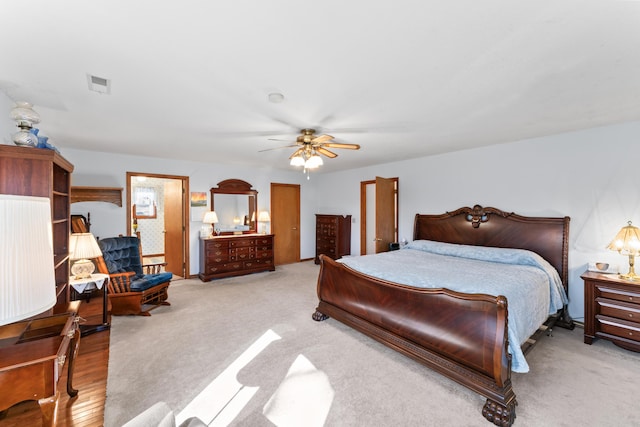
(277, 148)
(341, 145)
(321, 138)
(326, 152)
(296, 153)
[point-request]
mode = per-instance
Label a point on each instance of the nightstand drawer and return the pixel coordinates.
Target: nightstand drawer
(619, 294)
(617, 327)
(619, 310)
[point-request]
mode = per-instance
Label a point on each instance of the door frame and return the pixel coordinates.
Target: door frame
(363, 211)
(185, 210)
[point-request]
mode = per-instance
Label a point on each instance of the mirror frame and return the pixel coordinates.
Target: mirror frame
(238, 187)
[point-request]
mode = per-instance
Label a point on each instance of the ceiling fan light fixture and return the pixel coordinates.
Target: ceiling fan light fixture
(313, 162)
(297, 161)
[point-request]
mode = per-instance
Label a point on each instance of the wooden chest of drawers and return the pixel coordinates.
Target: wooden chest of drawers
(611, 310)
(225, 256)
(333, 236)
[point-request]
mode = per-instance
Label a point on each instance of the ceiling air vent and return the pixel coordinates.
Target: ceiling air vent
(99, 84)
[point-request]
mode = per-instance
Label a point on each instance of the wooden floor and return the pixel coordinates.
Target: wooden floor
(90, 379)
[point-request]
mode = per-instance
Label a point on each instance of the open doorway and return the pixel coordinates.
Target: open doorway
(157, 211)
(379, 215)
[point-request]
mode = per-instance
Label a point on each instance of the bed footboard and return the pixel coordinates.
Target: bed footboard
(461, 336)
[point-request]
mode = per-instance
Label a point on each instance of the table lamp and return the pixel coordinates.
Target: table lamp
(83, 248)
(209, 219)
(27, 279)
(264, 218)
(627, 242)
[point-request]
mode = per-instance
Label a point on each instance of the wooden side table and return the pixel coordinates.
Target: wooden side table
(32, 355)
(96, 281)
(612, 310)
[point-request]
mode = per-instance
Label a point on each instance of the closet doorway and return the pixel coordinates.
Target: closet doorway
(379, 215)
(157, 210)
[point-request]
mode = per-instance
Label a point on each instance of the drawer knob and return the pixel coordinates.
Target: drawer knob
(630, 315)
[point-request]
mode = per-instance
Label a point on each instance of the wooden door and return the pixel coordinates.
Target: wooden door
(285, 222)
(174, 228)
(385, 213)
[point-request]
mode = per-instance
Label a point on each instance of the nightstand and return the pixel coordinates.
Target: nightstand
(96, 281)
(611, 310)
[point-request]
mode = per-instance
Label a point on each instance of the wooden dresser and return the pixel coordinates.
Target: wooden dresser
(28, 171)
(333, 236)
(611, 310)
(225, 256)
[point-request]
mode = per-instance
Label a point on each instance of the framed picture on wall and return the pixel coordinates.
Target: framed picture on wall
(198, 204)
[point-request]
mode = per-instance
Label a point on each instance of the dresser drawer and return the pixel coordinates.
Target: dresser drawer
(241, 243)
(217, 258)
(617, 327)
(258, 263)
(223, 267)
(216, 244)
(326, 240)
(264, 253)
(618, 309)
(242, 255)
(216, 253)
(264, 241)
(619, 294)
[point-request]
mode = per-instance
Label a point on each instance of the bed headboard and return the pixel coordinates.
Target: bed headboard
(548, 237)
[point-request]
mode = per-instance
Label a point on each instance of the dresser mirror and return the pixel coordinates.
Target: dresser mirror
(235, 204)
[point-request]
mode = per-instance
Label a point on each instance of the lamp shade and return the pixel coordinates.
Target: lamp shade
(264, 216)
(83, 246)
(627, 241)
(210, 218)
(27, 278)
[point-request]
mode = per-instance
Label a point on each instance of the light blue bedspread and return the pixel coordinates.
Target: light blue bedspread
(531, 285)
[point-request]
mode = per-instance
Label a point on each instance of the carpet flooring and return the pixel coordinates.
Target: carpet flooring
(307, 373)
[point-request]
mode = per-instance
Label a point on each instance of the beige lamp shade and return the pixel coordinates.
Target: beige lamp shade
(84, 247)
(210, 217)
(27, 277)
(264, 218)
(627, 242)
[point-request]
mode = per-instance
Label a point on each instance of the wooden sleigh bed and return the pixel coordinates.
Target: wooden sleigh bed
(460, 335)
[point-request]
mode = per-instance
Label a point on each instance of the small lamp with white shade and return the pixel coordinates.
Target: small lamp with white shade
(84, 248)
(264, 218)
(209, 219)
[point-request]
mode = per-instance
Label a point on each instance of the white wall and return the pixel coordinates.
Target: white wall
(109, 170)
(590, 176)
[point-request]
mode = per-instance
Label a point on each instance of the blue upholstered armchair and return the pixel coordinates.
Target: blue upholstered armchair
(131, 290)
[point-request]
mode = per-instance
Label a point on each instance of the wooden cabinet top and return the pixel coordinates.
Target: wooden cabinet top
(15, 151)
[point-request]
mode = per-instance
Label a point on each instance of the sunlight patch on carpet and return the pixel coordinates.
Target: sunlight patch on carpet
(302, 399)
(221, 401)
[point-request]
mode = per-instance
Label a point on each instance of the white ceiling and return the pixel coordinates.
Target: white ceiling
(190, 79)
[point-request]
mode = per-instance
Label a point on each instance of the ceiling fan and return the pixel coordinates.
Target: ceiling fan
(310, 146)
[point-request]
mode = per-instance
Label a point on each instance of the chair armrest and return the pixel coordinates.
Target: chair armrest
(120, 282)
(153, 268)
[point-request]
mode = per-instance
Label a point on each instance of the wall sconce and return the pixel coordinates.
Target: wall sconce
(627, 242)
(27, 282)
(83, 249)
